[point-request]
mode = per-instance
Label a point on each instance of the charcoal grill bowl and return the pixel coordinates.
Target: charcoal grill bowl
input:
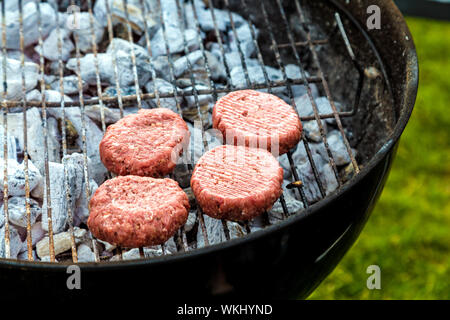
(289, 259)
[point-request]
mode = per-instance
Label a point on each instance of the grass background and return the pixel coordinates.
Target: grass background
(408, 234)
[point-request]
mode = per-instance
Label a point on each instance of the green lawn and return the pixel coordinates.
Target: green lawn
(408, 235)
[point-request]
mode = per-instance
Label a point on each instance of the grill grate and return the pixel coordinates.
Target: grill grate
(121, 101)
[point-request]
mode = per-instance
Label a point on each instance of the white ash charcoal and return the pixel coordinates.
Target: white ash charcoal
(34, 95)
(11, 146)
(245, 39)
(191, 220)
(197, 64)
(235, 230)
(15, 242)
(108, 246)
(164, 88)
(276, 213)
(180, 66)
(284, 163)
(94, 135)
(95, 113)
(58, 198)
(337, 148)
(234, 60)
(201, 98)
(34, 129)
(124, 65)
(175, 41)
(214, 230)
(30, 24)
(312, 130)
(14, 77)
(122, 51)
(205, 17)
(24, 255)
(55, 96)
(305, 107)
(37, 233)
(17, 55)
(293, 72)
(16, 176)
(255, 75)
(82, 28)
(135, 14)
(13, 5)
(61, 241)
(88, 71)
(81, 213)
(85, 253)
(118, 44)
(17, 211)
(50, 45)
(325, 173)
(70, 85)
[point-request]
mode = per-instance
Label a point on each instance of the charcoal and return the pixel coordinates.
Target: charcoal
(214, 230)
(338, 149)
(197, 64)
(24, 255)
(244, 40)
(81, 213)
(37, 233)
(15, 242)
(164, 88)
(62, 242)
(11, 146)
(305, 108)
(88, 69)
(16, 177)
(34, 95)
(175, 41)
(312, 130)
(51, 50)
(30, 24)
(234, 60)
(17, 211)
(276, 213)
(70, 85)
(85, 253)
(191, 220)
(83, 29)
(59, 203)
(255, 74)
(202, 99)
(14, 77)
(55, 96)
(110, 115)
(96, 169)
(13, 5)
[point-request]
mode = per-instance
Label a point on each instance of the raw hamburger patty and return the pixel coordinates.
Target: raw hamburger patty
(257, 119)
(236, 182)
(144, 144)
(133, 211)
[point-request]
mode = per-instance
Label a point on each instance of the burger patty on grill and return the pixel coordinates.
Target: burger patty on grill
(236, 182)
(145, 144)
(257, 119)
(133, 211)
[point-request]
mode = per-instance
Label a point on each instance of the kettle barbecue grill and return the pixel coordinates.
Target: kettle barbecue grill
(374, 72)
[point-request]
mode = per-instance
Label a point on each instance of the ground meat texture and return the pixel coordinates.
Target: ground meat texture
(257, 119)
(236, 182)
(133, 211)
(144, 144)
